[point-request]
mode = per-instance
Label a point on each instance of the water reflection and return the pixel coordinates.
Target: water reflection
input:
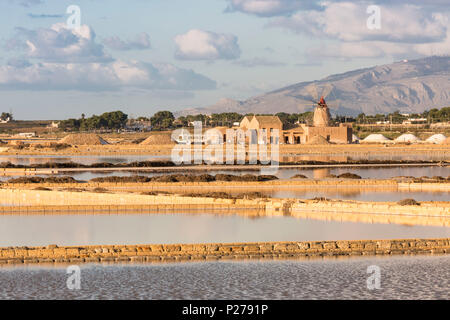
(287, 173)
(35, 230)
(90, 159)
(87, 160)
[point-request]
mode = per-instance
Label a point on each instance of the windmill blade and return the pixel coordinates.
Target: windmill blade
(312, 90)
(326, 90)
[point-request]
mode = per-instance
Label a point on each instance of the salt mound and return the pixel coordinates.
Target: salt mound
(437, 138)
(407, 137)
(355, 138)
(318, 140)
(83, 139)
(376, 137)
(158, 139)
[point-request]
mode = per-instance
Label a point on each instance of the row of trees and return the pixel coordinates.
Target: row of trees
(108, 120)
(165, 120)
(432, 116)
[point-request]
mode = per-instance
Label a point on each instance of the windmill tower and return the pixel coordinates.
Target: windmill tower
(322, 116)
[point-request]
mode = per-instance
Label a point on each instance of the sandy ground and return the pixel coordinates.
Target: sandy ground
(285, 150)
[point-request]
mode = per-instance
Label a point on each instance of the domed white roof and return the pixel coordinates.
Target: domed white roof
(376, 137)
(407, 137)
(437, 138)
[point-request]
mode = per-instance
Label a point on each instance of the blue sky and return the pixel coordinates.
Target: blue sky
(141, 56)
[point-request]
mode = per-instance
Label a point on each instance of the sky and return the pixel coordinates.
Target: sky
(142, 56)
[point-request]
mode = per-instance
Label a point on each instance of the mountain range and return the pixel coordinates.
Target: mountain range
(410, 86)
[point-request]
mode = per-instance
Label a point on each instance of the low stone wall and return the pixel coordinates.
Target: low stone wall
(60, 202)
(27, 198)
(215, 251)
(436, 209)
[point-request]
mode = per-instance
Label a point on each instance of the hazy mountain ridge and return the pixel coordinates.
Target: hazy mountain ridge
(408, 86)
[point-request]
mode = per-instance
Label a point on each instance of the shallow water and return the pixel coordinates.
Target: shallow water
(103, 229)
(419, 277)
(365, 173)
(90, 159)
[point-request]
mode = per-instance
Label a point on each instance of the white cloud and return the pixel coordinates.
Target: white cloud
(100, 76)
(272, 8)
(406, 30)
(258, 62)
(348, 22)
(349, 50)
(436, 48)
(206, 45)
(61, 44)
(27, 3)
(140, 42)
(269, 8)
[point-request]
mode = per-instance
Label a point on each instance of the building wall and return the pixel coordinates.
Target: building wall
(260, 132)
(245, 123)
(341, 134)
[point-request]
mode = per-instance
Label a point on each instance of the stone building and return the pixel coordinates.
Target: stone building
(341, 134)
(259, 129)
(321, 128)
(262, 128)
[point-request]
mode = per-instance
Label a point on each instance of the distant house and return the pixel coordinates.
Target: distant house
(27, 134)
(268, 129)
(138, 125)
(415, 121)
(245, 123)
(54, 125)
(265, 125)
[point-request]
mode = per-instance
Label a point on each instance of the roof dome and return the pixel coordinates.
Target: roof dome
(407, 137)
(376, 137)
(437, 138)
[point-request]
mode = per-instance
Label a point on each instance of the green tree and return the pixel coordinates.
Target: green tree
(108, 120)
(5, 116)
(162, 120)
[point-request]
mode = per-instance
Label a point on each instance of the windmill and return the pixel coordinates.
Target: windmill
(322, 117)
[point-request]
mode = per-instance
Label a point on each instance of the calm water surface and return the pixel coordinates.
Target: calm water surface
(90, 159)
(282, 173)
(36, 230)
(36, 159)
(421, 277)
(365, 173)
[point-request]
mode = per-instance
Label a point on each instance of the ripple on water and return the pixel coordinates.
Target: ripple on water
(423, 277)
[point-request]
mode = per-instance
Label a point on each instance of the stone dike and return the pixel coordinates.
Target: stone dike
(392, 184)
(220, 251)
(28, 201)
